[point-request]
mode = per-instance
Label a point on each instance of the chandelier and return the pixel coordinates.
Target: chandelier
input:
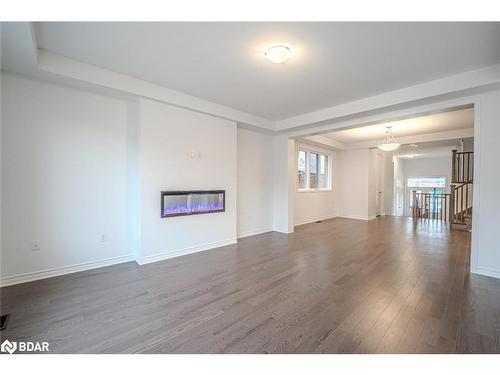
(390, 143)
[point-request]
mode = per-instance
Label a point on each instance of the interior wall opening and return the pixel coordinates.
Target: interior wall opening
(430, 171)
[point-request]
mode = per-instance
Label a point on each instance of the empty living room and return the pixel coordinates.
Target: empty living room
(249, 185)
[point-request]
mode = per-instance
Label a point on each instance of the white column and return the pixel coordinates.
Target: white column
(284, 183)
(485, 258)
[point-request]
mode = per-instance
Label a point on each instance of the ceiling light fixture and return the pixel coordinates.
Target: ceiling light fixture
(278, 53)
(389, 143)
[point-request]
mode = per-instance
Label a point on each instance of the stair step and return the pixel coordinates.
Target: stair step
(461, 226)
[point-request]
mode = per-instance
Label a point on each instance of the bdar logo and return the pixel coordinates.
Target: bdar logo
(24, 346)
(8, 347)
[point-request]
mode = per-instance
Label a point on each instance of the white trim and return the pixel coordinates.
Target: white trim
(52, 272)
(420, 138)
(325, 190)
(382, 117)
(324, 141)
(446, 85)
(315, 220)
(188, 250)
(320, 140)
(253, 232)
(73, 69)
(288, 231)
(365, 218)
(485, 271)
(476, 199)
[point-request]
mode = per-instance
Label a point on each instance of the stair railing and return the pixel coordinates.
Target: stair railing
(462, 166)
(461, 202)
(431, 206)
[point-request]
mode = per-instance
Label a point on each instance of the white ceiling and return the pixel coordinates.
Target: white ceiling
(427, 150)
(439, 122)
(333, 63)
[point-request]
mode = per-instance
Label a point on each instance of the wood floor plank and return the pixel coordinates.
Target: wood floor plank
(389, 285)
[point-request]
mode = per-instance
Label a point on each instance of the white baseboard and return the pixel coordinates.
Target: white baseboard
(188, 250)
(38, 275)
(314, 220)
(358, 217)
(278, 230)
(483, 271)
(254, 232)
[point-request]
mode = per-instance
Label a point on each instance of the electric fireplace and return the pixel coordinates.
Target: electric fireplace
(192, 202)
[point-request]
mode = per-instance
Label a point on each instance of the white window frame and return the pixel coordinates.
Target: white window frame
(409, 177)
(307, 189)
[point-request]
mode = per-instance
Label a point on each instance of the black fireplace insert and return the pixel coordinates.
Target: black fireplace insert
(192, 202)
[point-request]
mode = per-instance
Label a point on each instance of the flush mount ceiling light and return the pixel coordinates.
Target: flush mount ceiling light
(390, 143)
(278, 53)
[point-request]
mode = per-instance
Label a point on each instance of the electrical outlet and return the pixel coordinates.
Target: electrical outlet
(195, 155)
(35, 245)
(104, 237)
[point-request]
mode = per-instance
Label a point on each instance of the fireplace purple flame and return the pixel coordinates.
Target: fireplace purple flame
(192, 202)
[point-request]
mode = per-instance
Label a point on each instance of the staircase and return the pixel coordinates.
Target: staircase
(461, 190)
(454, 207)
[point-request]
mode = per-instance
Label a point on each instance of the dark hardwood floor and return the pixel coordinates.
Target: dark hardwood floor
(341, 286)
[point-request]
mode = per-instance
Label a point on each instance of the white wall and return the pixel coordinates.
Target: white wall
(425, 167)
(388, 190)
(354, 177)
(399, 187)
(64, 178)
(133, 187)
(375, 172)
(486, 210)
(255, 183)
(468, 144)
(318, 205)
(1, 167)
(366, 175)
(284, 183)
(168, 136)
(77, 165)
(429, 167)
(74, 162)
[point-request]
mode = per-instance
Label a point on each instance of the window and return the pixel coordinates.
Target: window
(434, 186)
(313, 171)
(427, 182)
(302, 170)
